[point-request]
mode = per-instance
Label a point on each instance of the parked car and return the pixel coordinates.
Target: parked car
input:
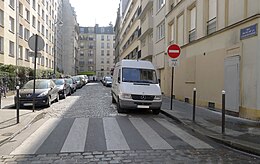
(84, 78)
(73, 84)
(45, 93)
(64, 87)
(108, 81)
(79, 81)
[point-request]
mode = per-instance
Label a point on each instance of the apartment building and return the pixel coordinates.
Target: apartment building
(96, 53)
(220, 44)
(130, 31)
(87, 52)
(21, 19)
(70, 47)
(105, 53)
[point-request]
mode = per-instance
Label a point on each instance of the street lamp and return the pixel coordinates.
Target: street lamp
(59, 23)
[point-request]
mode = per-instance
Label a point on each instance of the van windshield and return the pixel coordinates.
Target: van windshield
(139, 75)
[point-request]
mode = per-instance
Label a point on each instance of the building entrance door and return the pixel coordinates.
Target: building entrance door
(231, 83)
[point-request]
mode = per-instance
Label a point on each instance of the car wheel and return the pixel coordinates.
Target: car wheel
(57, 97)
(119, 109)
(48, 102)
(64, 94)
(156, 111)
(113, 99)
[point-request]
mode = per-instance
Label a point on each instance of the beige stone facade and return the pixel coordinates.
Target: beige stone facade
(20, 21)
(216, 54)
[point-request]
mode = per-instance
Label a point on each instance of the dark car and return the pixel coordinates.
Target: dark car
(73, 84)
(64, 87)
(45, 93)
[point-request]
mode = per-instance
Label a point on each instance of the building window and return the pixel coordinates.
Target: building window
(27, 12)
(160, 4)
(180, 30)
(46, 62)
(108, 45)
(108, 53)
(26, 34)
(33, 21)
(27, 54)
(102, 37)
(11, 24)
(47, 34)
(102, 52)
(192, 30)
(108, 38)
(102, 45)
(1, 44)
(43, 30)
(20, 31)
(11, 48)
(39, 26)
(20, 52)
(42, 60)
(33, 4)
(171, 29)
(20, 9)
(212, 23)
(161, 31)
(1, 17)
(11, 3)
(39, 10)
(43, 14)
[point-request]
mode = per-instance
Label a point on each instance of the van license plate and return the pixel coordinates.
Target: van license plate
(143, 106)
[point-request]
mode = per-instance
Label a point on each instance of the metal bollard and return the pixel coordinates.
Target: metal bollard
(17, 104)
(223, 111)
(194, 104)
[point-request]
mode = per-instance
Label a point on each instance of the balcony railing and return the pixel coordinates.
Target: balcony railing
(211, 26)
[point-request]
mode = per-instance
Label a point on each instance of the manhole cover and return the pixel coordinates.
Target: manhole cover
(7, 134)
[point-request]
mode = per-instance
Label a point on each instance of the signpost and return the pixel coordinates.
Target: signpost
(174, 52)
(36, 43)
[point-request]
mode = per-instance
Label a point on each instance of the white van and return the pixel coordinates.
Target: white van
(135, 85)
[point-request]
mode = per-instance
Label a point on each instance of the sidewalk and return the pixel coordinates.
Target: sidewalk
(240, 133)
(8, 120)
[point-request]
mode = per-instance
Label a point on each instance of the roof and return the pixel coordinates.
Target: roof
(136, 64)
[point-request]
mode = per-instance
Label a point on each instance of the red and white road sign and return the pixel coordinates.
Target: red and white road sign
(174, 51)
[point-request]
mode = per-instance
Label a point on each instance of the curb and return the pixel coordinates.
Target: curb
(35, 119)
(226, 140)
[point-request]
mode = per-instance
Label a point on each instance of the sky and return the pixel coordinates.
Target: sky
(91, 12)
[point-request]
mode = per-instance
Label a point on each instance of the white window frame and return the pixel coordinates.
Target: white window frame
(1, 17)
(11, 48)
(1, 44)
(11, 24)
(160, 30)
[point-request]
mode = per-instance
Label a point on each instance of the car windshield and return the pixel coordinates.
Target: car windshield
(108, 78)
(38, 85)
(69, 81)
(139, 75)
(59, 81)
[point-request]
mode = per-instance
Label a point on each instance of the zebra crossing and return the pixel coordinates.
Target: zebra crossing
(58, 135)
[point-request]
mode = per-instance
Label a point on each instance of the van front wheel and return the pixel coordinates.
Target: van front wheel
(119, 109)
(156, 111)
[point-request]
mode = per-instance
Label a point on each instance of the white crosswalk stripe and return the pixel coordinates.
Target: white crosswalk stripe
(112, 136)
(75, 141)
(151, 137)
(34, 141)
(115, 139)
(186, 137)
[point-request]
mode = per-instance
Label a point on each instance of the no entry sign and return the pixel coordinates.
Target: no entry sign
(174, 51)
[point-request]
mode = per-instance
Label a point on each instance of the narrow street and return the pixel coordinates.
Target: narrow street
(85, 127)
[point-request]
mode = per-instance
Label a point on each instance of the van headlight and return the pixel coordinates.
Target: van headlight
(126, 96)
(158, 97)
(43, 94)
